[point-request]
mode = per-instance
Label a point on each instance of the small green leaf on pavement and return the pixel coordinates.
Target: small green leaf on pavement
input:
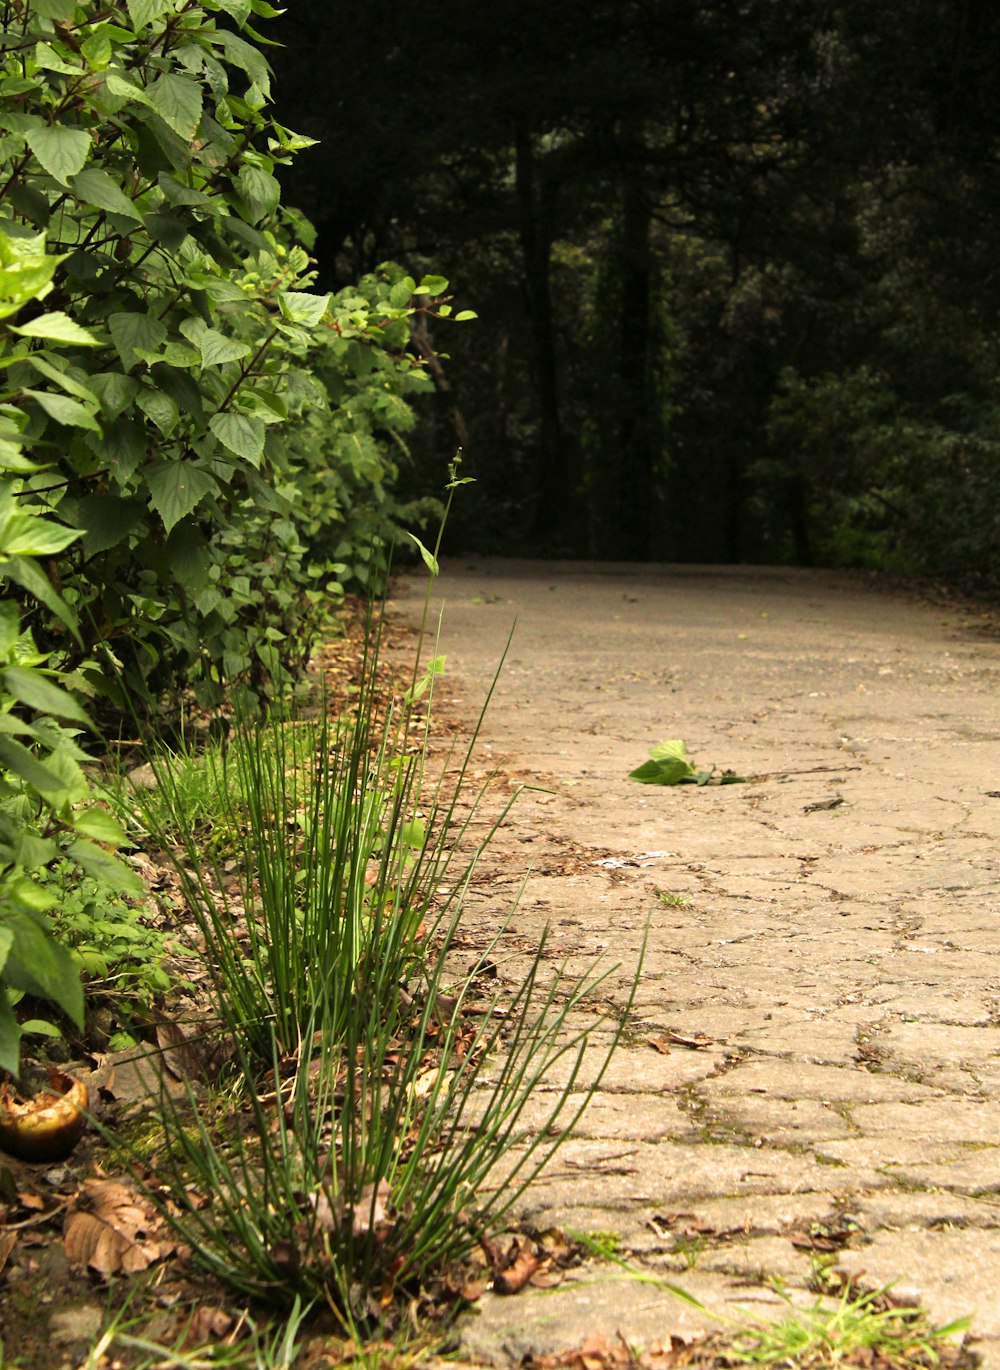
(668, 764)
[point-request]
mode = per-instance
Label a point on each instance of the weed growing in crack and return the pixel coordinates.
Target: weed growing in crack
(672, 900)
(689, 1246)
(859, 1328)
(602, 1245)
(824, 1277)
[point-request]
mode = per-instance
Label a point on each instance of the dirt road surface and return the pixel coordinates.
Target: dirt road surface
(828, 931)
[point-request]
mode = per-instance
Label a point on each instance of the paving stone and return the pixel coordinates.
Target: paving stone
(598, 1302)
(956, 1118)
(679, 1174)
(941, 1208)
(794, 1078)
(782, 1121)
(614, 1117)
(925, 1041)
(951, 1275)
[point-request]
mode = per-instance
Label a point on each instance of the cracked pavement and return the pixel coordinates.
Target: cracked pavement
(828, 931)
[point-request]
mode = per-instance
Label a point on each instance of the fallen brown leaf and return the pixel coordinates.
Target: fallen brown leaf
(180, 1054)
(428, 1081)
(689, 1039)
(92, 1242)
(370, 1211)
(558, 1247)
(679, 1351)
(661, 1043)
(7, 1242)
(117, 1234)
(832, 1240)
(522, 1262)
(192, 1049)
(596, 1353)
(547, 1276)
(206, 1323)
(444, 1007)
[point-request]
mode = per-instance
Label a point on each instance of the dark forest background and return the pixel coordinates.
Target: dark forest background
(735, 264)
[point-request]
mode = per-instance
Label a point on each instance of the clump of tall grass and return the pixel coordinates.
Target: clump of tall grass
(320, 906)
(375, 1134)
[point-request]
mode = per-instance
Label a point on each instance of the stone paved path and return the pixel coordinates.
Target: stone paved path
(831, 926)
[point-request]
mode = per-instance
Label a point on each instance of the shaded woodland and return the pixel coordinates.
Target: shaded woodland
(734, 264)
(262, 1088)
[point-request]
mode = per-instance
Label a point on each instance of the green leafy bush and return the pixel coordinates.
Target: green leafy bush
(48, 815)
(109, 938)
(193, 443)
(219, 443)
(886, 480)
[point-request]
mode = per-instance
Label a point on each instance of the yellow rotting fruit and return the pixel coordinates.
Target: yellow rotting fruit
(46, 1125)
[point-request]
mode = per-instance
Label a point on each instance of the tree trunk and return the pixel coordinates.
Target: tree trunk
(420, 334)
(636, 423)
(555, 495)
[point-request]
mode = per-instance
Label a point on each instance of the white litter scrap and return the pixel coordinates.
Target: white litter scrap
(617, 863)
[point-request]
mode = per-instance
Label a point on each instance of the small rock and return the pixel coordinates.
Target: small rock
(79, 1324)
(143, 777)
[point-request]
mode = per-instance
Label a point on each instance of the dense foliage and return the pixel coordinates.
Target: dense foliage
(46, 820)
(736, 261)
(195, 446)
(189, 443)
